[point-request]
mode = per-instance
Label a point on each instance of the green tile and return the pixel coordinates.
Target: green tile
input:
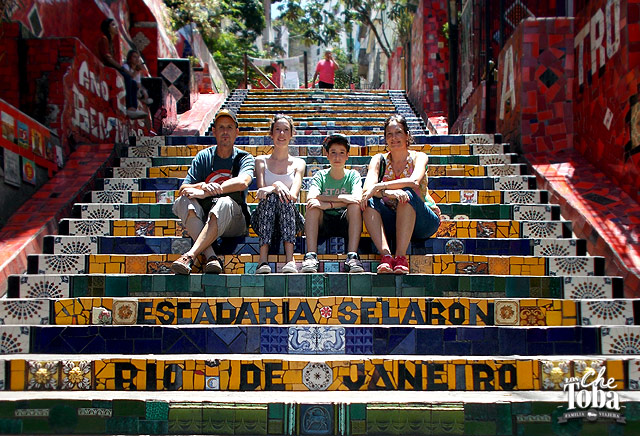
(253, 280)
(252, 291)
(297, 285)
(504, 419)
(215, 280)
(129, 408)
(275, 426)
(500, 284)
(480, 412)
(234, 292)
(90, 425)
(80, 286)
(482, 284)
(195, 285)
(414, 281)
(10, 426)
(96, 286)
(159, 282)
(556, 286)
(464, 284)
(7, 409)
(153, 427)
(147, 283)
(177, 283)
(216, 291)
(450, 421)
(383, 291)
(630, 428)
(358, 411)
(483, 428)
(275, 285)
(134, 283)
(275, 411)
(219, 420)
(317, 284)
(122, 425)
(360, 284)
(383, 280)
(233, 280)
(412, 292)
(157, 410)
(185, 421)
(251, 419)
(117, 286)
(338, 284)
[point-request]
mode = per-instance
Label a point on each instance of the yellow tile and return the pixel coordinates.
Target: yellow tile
(114, 268)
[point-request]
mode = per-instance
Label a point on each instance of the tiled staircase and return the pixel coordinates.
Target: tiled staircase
(501, 305)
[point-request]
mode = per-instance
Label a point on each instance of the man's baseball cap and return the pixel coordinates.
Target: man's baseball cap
(226, 113)
(336, 138)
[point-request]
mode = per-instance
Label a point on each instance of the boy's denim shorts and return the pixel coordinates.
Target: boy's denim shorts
(427, 221)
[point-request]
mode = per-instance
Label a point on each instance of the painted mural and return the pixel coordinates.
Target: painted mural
(606, 92)
(473, 117)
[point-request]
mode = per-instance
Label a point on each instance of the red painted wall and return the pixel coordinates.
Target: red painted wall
(535, 81)
(606, 89)
(394, 70)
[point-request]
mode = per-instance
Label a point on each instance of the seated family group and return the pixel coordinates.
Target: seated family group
(394, 201)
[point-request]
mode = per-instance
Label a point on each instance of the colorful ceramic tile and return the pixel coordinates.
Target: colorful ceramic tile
(571, 266)
(149, 141)
(510, 183)
(2, 375)
(469, 197)
(89, 227)
(541, 229)
(75, 375)
(620, 340)
(212, 383)
(44, 286)
(94, 211)
(114, 184)
(141, 151)
(541, 212)
(27, 312)
(130, 172)
(554, 373)
(109, 197)
(135, 162)
(61, 264)
(478, 139)
(582, 367)
(75, 245)
(317, 376)
(506, 312)
(101, 316)
(521, 197)
(607, 312)
(42, 375)
(494, 159)
(588, 287)
(125, 312)
(555, 247)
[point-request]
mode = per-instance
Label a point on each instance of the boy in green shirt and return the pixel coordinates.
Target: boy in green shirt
(333, 206)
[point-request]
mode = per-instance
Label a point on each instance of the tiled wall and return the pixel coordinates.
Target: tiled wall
(606, 89)
(535, 79)
(429, 59)
(473, 117)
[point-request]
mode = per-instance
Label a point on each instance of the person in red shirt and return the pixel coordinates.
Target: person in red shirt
(326, 71)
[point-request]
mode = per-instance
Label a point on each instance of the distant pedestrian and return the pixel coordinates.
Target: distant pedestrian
(326, 71)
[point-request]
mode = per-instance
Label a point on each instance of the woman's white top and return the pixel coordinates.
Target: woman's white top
(270, 178)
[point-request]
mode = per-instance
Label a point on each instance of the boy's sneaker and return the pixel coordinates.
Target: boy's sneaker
(213, 265)
(353, 263)
(400, 265)
(386, 265)
(290, 267)
(264, 268)
(310, 263)
(183, 264)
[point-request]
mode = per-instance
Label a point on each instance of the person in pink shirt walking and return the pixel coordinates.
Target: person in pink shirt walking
(326, 71)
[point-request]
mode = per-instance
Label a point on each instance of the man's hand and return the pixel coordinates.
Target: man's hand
(348, 199)
(193, 193)
(314, 203)
(212, 189)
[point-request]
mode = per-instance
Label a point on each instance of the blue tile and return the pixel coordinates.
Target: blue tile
(358, 340)
(567, 348)
(590, 340)
(512, 340)
(449, 334)
(485, 348)
(119, 346)
(253, 340)
(535, 334)
(239, 344)
(561, 334)
(457, 348)
(402, 340)
(273, 340)
(429, 341)
(215, 344)
(539, 348)
(471, 333)
(196, 335)
(147, 346)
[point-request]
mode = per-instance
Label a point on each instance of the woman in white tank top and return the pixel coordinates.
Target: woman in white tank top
(279, 177)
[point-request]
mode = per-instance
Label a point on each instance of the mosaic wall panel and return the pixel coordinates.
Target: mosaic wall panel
(327, 310)
(283, 375)
(75, 245)
(607, 312)
(588, 287)
(100, 211)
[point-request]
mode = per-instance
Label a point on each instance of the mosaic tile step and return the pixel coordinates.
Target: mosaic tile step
(251, 245)
(300, 374)
(312, 285)
(323, 413)
(319, 311)
(354, 140)
(483, 159)
(180, 171)
(435, 183)
(440, 196)
(463, 264)
(458, 228)
(370, 149)
(534, 212)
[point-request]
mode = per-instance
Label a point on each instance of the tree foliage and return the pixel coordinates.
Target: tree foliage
(322, 24)
(229, 28)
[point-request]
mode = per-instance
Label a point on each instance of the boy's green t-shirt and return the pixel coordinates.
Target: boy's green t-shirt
(323, 184)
